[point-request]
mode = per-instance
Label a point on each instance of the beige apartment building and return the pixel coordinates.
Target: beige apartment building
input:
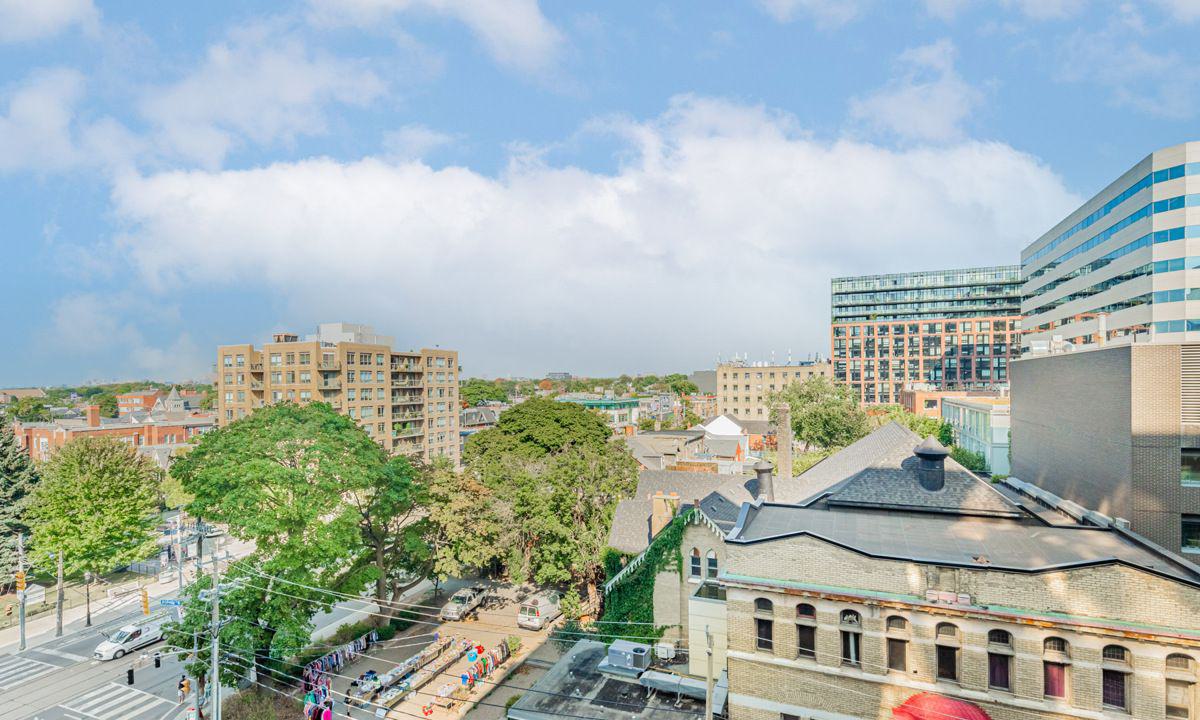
(744, 389)
(406, 400)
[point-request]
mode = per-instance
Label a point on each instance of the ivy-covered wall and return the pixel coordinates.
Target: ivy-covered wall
(629, 608)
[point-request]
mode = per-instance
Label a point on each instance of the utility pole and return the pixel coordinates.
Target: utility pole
(216, 636)
(21, 590)
(179, 546)
(59, 603)
(708, 686)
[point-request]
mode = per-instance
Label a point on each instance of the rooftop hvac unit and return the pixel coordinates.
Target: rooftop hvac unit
(625, 654)
(665, 650)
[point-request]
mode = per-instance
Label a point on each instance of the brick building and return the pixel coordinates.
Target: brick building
(889, 582)
(137, 400)
(158, 427)
(406, 400)
(1115, 428)
(744, 389)
(951, 329)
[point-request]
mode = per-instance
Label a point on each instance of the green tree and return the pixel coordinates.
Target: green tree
(971, 460)
(29, 410)
(476, 391)
(679, 384)
(921, 425)
(96, 505)
(18, 478)
(536, 428)
(107, 402)
(466, 527)
(824, 414)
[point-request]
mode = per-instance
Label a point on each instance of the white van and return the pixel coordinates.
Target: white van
(129, 638)
(539, 611)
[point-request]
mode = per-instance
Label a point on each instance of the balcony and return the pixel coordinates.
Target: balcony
(408, 432)
(256, 367)
(408, 416)
(406, 367)
(330, 384)
(256, 384)
(330, 365)
(406, 383)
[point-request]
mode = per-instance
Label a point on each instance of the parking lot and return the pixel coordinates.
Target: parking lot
(489, 626)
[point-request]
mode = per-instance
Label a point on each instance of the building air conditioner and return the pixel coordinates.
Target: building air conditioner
(665, 650)
(630, 655)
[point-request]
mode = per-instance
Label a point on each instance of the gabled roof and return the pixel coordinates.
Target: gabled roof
(630, 531)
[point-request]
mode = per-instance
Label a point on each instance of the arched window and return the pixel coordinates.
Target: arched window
(1181, 687)
(1000, 658)
(806, 631)
(1056, 656)
(947, 643)
(695, 567)
(712, 564)
(851, 631)
(764, 625)
(897, 643)
(1115, 671)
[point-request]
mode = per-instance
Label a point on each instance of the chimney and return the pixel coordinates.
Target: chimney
(663, 509)
(783, 440)
(766, 484)
(93, 416)
(931, 468)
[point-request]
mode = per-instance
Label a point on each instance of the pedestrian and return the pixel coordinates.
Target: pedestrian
(183, 688)
(327, 713)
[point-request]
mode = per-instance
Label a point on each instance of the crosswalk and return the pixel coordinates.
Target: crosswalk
(112, 702)
(15, 670)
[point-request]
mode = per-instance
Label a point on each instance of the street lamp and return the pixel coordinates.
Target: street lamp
(87, 590)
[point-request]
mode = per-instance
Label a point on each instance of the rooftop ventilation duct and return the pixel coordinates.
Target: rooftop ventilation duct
(931, 467)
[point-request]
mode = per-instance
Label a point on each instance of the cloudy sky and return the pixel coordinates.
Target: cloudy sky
(582, 185)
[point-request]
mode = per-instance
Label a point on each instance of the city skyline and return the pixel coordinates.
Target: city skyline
(522, 184)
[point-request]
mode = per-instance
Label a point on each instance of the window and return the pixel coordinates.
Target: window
(1189, 466)
(1115, 671)
(1055, 657)
(806, 631)
(712, 564)
(1181, 686)
(695, 566)
(897, 654)
(764, 626)
(947, 641)
(851, 632)
(1191, 533)
(1000, 660)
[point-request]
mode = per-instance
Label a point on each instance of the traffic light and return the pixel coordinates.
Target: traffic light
(20, 580)
(145, 602)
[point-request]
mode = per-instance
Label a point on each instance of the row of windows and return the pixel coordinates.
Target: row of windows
(1116, 669)
(1159, 206)
(930, 328)
(925, 295)
(1112, 307)
(1173, 326)
(1133, 274)
(928, 278)
(1171, 173)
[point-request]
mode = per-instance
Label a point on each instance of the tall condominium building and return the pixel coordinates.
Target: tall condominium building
(406, 400)
(744, 389)
(951, 329)
(1122, 265)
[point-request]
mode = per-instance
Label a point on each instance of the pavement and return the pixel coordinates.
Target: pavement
(55, 678)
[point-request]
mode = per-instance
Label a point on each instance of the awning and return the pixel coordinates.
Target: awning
(927, 706)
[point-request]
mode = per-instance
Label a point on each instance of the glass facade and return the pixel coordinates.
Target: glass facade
(952, 329)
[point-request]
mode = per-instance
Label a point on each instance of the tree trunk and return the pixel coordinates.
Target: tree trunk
(386, 612)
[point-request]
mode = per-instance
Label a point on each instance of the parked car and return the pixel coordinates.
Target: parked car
(129, 638)
(539, 611)
(463, 603)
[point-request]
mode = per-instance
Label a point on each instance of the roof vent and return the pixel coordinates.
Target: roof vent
(931, 470)
(766, 484)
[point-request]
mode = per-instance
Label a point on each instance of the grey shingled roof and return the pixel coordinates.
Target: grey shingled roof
(996, 543)
(722, 446)
(757, 427)
(630, 531)
(891, 482)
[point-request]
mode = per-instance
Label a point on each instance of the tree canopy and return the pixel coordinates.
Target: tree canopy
(538, 427)
(476, 391)
(18, 478)
(96, 504)
(921, 425)
(824, 414)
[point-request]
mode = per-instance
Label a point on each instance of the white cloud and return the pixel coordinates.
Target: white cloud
(1046, 9)
(414, 141)
(945, 9)
(36, 131)
(1182, 10)
(93, 328)
(258, 85)
(1160, 83)
(726, 204)
(515, 32)
(826, 13)
(928, 101)
(25, 20)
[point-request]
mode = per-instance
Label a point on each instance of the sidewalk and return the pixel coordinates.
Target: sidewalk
(40, 629)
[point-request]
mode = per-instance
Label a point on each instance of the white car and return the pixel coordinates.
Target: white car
(128, 639)
(463, 603)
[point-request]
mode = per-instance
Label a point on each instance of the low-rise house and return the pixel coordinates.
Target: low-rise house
(666, 449)
(11, 395)
(159, 426)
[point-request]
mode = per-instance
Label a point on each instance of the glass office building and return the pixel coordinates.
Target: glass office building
(1125, 264)
(951, 329)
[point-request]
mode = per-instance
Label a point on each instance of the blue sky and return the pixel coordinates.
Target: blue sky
(597, 187)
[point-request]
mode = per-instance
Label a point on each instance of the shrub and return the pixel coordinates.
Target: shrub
(514, 644)
(260, 705)
(512, 700)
